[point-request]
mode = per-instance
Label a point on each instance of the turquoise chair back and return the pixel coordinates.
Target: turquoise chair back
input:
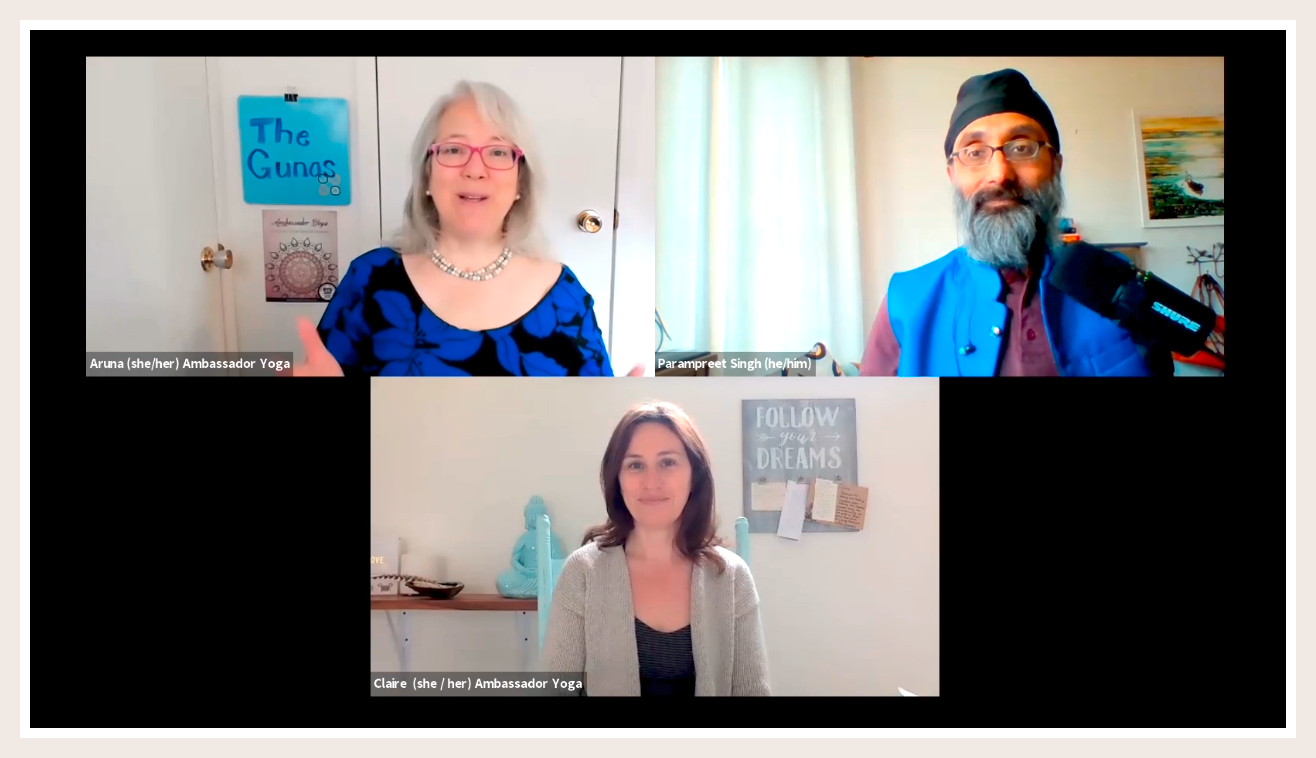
(550, 568)
(742, 539)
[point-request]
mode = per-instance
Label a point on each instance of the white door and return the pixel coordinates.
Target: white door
(572, 106)
(270, 326)
(150, 208)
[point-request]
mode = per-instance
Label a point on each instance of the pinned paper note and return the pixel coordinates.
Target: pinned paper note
(824, 500)
(769, 497)
(791, 525)
(837, 503)
(851, 505)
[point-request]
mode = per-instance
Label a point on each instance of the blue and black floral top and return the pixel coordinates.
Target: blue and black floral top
(376, 325)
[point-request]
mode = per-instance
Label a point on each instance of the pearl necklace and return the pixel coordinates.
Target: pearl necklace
(488, 272)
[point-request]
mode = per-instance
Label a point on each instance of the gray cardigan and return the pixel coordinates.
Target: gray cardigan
(591, 626)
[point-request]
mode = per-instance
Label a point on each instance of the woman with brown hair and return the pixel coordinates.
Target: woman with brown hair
(652, 604)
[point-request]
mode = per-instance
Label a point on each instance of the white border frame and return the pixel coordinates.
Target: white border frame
(1017, 748)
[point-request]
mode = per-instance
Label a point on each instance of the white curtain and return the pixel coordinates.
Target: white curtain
(758, 233)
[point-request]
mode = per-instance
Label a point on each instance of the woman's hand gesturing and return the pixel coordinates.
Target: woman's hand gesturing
(319, 361)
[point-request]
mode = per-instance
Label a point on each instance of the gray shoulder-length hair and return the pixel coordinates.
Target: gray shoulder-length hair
(420, 221)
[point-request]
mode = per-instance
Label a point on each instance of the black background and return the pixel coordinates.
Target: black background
(1104, 553)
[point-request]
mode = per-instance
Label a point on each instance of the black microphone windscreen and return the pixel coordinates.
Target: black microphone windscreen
(1090, 275)
(1153, 312)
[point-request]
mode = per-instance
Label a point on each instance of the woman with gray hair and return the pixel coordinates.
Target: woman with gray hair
(465, 288)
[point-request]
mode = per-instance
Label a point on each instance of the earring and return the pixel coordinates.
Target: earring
(518, 197)
(427, 192)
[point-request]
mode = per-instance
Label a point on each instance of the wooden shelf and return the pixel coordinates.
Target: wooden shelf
(463, 602)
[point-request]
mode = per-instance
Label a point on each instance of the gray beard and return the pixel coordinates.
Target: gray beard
(1003, 238)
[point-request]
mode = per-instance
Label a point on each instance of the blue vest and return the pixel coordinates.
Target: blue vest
(943, 313)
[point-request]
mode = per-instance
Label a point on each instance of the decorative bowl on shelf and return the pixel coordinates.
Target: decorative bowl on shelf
(427, 587)
(436, 590)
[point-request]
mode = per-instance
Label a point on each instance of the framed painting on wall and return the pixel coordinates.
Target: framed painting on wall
(1181, 167)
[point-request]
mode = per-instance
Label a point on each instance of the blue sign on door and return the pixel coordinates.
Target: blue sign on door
(294, 153)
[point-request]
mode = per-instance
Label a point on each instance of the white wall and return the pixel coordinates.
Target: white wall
(453, 463)
(902, 111)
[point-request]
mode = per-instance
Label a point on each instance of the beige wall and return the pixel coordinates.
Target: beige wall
(453, 463)
(902, 110)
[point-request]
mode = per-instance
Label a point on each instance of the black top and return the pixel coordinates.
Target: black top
(667, 661)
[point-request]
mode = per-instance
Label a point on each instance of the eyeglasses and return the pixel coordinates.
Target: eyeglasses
(457, 155)
(1022, 149)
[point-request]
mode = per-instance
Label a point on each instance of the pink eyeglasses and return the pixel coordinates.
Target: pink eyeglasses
(457, 155)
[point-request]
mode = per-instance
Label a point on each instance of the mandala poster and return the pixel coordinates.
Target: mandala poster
(301, 256)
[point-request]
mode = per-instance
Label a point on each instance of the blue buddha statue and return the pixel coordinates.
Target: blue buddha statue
(522, 579)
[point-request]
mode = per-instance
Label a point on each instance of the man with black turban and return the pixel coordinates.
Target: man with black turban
(986, 308)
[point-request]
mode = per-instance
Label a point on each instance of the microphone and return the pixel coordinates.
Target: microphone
(1152, 311)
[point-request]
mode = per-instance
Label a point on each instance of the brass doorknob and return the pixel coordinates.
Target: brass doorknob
(588, 221)
(209, 259)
